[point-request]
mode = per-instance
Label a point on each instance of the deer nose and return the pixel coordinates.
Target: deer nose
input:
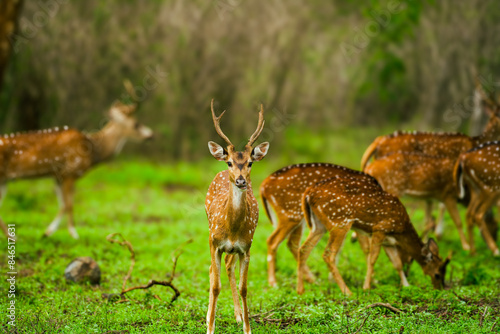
(241, 182)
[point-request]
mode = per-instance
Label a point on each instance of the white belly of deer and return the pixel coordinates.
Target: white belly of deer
(233, 247)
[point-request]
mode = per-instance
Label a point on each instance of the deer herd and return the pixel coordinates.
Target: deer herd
(451, 168)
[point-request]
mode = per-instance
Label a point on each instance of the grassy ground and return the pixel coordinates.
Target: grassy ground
(158, 207)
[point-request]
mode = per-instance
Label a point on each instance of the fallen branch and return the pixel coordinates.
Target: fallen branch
(267, 312)
(175, 256)
(127, 244)
(386, 305)
(265, 317)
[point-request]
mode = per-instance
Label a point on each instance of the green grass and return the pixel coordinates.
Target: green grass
(157, 207)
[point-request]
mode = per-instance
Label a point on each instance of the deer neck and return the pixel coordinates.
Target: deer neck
(412, 245)
(107, 142)
(237, 206)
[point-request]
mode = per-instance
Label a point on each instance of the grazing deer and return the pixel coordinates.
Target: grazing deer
(232, 213)
(421, 176)
(339, 204)
(66, 154)
(479, 169)
(281, 194)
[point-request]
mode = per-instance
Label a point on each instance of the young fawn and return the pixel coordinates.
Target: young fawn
(66, 154)
(421, 176)
(281, 194)
(339, 204)
(232, 213)
(479, 170)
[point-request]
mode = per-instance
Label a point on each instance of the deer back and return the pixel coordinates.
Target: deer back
(414, 174)
(47, 152)
(284, 188)
(438, 144)
(340, 200)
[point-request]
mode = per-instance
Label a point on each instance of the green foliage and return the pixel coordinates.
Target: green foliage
(475, 275)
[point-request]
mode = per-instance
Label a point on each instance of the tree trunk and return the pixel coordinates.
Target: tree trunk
(9, 13)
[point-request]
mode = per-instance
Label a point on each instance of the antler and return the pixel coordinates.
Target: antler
(217, 124)
(259, 129)
(485, 97)
(133, 96)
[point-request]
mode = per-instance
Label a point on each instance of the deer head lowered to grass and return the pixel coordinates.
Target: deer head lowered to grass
(66, 154)
(232, 213)
(340, 204)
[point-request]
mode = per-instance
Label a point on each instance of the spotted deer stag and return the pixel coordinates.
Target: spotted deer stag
(479, 170)
(232, 213)
(281, 194)
(340, 204)
(421, 176)
(66, 154)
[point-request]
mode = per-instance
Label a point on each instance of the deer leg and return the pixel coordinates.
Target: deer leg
(230, 260)
(492, 224)
(376, 243)
(244, 262)
(430, 224)
(3, 193)
(68, 188)
(312, 240)
(480, 213)
(440, 221)
(451, 205)
(285, 227)
(215, 287)
(364, 243)
(470, 217)
(294, 244)
(337, 237)
(393, 255)
(54, 225)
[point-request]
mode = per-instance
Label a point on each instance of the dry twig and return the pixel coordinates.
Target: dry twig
(386, 305)
(362, 324)
(175, 256)
(482, 317)
(265, 317)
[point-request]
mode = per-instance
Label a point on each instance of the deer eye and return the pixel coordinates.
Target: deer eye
(136, 125)
(437, 276)
(230, 164)
(250, 164)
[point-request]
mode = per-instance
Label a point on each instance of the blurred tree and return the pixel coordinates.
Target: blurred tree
(9, 14)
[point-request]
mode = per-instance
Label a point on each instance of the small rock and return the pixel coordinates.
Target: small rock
(83, 269)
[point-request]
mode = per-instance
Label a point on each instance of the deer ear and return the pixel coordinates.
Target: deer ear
(260, 151)
(433, 247)
(217, 151)
(429, 249)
